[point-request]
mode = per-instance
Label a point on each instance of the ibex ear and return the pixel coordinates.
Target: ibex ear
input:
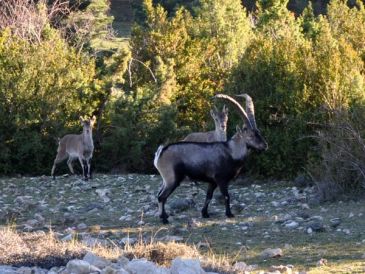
(93, 120)
(225, 109)
(212, 113)
(238, 129)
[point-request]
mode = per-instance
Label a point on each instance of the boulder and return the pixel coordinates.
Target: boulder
(179, 205)
(138, 266)
(96, 260)
(186, 266)
(272, 253)
(80, 267)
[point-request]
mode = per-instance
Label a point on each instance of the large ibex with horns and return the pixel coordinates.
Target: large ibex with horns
(215, 163)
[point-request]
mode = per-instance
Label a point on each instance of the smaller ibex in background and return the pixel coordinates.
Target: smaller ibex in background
(217, 135)
(77, 146)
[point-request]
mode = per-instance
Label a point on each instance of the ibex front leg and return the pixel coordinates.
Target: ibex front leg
(210, 191)
(88, 168)
(81, 160)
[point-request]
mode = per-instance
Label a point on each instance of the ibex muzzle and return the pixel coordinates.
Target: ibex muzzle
(81, 147)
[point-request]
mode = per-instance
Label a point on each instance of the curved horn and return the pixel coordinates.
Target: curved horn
(250, 109)
(233, 101)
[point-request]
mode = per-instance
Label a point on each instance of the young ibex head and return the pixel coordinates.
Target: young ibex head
(220, 118)
(249, 133)
(87, 124)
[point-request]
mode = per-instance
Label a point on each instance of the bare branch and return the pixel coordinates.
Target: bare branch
(130, 72)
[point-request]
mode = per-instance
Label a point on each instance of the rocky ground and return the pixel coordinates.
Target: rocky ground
(275, 224)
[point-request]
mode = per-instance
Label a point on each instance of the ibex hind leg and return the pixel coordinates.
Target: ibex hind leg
(164, 193)
(69, 163)
(59, 158)
(223, 187)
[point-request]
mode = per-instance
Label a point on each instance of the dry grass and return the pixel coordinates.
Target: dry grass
(46, 250)
(36, 248)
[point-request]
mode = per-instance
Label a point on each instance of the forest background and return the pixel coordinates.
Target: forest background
(149, 77)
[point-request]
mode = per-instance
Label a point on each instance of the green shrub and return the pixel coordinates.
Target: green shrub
(44, 88)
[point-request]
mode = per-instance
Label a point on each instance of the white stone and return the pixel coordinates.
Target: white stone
(292, 225)
(139, 266)
(186, 266)
(4, 269)
(275, 203)
(240, 266)
(272, 253)
(67, 238)
(111, 270)
(80, 267)
(96, 260)
(81, 226)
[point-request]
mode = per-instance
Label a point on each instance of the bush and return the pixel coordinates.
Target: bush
(44, 88)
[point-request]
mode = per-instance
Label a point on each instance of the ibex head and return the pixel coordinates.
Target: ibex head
(220, 118)
(249, 133)
(87, 124)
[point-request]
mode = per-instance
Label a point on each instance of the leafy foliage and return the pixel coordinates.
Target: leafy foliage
(301, 72)
(44, 87)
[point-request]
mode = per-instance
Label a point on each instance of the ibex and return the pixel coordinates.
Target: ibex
(73, 146)
(218, 135)
(216, 163)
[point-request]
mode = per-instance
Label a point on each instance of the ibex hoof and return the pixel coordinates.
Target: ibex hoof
(165, 221)
(230, 215)
(205, 215)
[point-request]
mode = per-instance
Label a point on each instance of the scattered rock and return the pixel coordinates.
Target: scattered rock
(271, 253)
(104, 194)
(111, 270)
(281, 269)
(67, 238)
(169, 238)
(138, 266)
(96, 260)
(291, 224)
(335, 222)
(317, 227)
(181, 204)
(80, 267)
(81, 226)
(186, 266)
(92, 242)
(240, 266)
(128, 241)
(4, 269)
(322, 262)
